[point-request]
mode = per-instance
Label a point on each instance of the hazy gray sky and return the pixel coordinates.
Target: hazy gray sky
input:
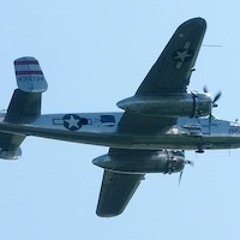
(95, 53)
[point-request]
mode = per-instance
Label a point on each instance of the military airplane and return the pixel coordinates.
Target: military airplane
(159, 122)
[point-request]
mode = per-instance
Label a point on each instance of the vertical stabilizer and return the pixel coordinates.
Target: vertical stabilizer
(29, 75)
(25, 105)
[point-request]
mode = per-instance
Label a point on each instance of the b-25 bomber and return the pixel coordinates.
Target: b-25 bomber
(159, 123)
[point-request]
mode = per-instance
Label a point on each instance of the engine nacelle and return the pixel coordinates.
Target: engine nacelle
(11, 155)
(175, 105)
(142, 161)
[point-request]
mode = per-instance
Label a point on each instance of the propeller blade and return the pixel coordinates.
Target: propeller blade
(205, 89)
(214, 104)
(189, 162)
(217, 96)
(215, 99)
(180, 178)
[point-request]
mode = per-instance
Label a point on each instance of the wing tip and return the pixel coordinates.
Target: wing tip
(102, 213)
(197, 21)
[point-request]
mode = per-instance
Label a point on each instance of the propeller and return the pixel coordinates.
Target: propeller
(180, 178)
(216, 97)
(191, 163)
(214, 104)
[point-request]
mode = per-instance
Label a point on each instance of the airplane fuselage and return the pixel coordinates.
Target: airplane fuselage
(102, 129)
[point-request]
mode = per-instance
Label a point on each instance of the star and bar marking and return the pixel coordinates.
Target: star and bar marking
(72, 122)
(183, 54)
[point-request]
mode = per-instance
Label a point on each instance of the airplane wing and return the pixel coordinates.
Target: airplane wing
(25, 105)
(116, 191)
(172, 71)
(131, 123)
(170, 74)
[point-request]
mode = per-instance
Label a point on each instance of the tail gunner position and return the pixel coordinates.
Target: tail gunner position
(159, 122)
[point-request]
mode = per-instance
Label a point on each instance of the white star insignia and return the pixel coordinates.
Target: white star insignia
(182, 55)
(72, 122)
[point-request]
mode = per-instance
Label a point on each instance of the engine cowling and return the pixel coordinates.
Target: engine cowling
(142, 161)
(11, 155)
(176, 105)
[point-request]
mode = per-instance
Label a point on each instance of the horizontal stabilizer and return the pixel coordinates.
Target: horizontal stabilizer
(29, 75)
(10, 146)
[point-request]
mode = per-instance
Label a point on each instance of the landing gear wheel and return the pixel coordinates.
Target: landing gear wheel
(199, 151)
